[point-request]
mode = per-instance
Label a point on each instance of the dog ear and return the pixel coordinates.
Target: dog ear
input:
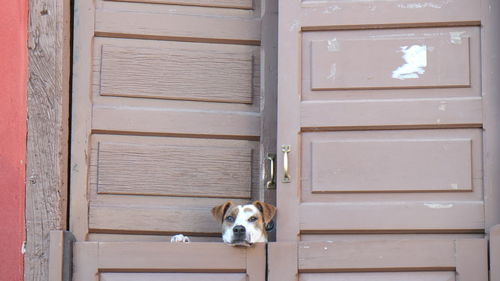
(268, 211)
(219, 211)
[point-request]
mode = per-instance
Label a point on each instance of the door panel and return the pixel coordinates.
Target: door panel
(441, 259)
(117, 261)
(168, 114)
(381, 105)
(380, 276)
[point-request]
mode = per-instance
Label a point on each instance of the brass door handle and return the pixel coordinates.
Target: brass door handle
(286, 176)
(271, 182)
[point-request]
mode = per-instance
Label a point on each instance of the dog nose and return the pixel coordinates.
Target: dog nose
(239, 229)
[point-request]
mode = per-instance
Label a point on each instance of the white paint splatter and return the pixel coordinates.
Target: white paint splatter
(421, 5)
(325, 248)
(294, 26)
(415, 58)
(438, 206)
(333, 72)
(456, 37)
(442, 107)
(331, 9)
(454, 186)
(333, 45)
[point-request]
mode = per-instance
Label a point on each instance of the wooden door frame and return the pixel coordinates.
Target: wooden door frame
(47, 155)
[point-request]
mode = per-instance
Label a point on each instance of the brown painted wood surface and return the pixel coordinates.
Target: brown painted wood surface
(166, 128)
(236, 4)
(177, 74)
(494, 250)
(144, 260)
(47, 139)
(208, 171)
(377, 255)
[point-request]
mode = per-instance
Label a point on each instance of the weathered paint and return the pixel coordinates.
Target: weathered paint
(13, 69)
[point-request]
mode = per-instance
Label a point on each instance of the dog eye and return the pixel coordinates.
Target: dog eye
(229, 219)
(252, 219)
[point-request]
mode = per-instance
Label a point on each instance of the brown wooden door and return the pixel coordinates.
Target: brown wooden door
(381, 105)
(170, 102)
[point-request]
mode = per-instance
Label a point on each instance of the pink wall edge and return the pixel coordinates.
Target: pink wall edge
(13, 77)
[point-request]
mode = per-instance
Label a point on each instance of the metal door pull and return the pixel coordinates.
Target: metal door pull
(286, 149)
(271, 182)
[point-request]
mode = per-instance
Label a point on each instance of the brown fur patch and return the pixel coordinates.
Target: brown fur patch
(268, 211)
(219, 211)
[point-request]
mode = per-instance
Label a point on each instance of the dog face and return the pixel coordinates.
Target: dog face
(243, 225)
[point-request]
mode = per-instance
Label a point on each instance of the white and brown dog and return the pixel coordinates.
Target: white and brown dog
(242, 225)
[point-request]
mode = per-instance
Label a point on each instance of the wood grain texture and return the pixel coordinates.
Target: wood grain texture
(235, 4)
(176, 74)
(47, 140)
(175, 170)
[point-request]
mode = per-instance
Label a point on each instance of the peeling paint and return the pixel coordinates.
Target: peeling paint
(456, 37)
(333, 45)
(23, 248)
(294, 26)
(438, 206)
(420, 5)
(333, 72)
(415, 58)
(331, 9)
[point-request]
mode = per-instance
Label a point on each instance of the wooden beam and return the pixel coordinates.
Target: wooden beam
(47, 139)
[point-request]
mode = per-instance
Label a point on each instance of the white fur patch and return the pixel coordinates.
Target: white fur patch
(179, 238)
(254, 234)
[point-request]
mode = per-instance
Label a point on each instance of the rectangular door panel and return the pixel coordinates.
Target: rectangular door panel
(124, 261)
(440, 260)
(379, 276)
(391, 63)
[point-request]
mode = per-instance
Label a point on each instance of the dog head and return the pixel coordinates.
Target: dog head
(243, 225)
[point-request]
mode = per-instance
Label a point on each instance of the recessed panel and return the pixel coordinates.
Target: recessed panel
(177, 170)
(385, 60)
(236, 4)
(403, 165)
(379, 276)
(200, 75)
(173, 276)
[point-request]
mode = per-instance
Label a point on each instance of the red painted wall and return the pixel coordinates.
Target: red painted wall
(13, 73)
